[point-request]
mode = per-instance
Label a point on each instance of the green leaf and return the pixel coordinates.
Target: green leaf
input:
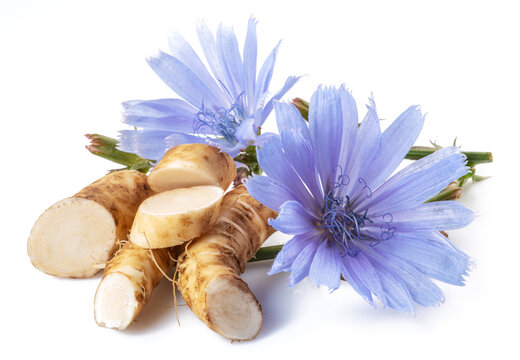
(248, 158)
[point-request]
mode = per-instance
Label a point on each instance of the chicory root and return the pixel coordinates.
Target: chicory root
(127, 284)
(173, 217)
(76, 236)
(209, 268)
(191, 165)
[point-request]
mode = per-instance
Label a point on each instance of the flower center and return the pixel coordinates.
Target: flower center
(343, 223)
(221, 123)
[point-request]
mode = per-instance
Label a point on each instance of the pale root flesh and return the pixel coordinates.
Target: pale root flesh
(115, 304)
(76, 236)
(71, 238)
(132, 275)
(191, 165)
(234, 309)
(173, 217)
(209, 267)
(127, 284)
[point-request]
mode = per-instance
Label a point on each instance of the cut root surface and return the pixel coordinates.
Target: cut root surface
(192, 165)
(128, 283)
(232, 309)
(72, 238)
(173, 217)
(181, 201)
(208, 269)
(173, 178)
(115, 304)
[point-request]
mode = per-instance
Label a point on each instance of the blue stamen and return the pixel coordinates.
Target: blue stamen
(387, 231)
(365, 187)
(342, 178)
(343, 224)
(220, 123)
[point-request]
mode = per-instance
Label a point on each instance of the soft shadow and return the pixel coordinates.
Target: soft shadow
(360, 310)
(271, 292)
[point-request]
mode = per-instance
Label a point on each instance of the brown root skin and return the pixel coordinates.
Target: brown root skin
(127, 284)
(134, 272)
(209, 267)
(120, 193)
(191, 165)
(76, 235)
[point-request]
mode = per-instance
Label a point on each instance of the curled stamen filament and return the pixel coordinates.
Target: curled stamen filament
(344, 225)
(220, 122)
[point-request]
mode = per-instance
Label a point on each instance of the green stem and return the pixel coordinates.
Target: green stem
(266, 253)
(248, 158)
(474, 158)
(106, 147)
(450, 193)
(416, 152)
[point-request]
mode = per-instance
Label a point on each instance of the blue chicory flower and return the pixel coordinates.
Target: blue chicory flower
(225, 110)
(330, 181)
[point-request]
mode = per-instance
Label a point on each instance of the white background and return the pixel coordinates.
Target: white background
(65, 67)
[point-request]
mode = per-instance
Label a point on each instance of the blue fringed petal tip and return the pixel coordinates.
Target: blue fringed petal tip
(214, 102)
(332, 181)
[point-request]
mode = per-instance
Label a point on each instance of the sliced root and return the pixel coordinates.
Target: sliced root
(115, 303)
(128, 283)
(209, 267)
(75, 235)
(173, 217)
(233, 309)
(192, 165)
